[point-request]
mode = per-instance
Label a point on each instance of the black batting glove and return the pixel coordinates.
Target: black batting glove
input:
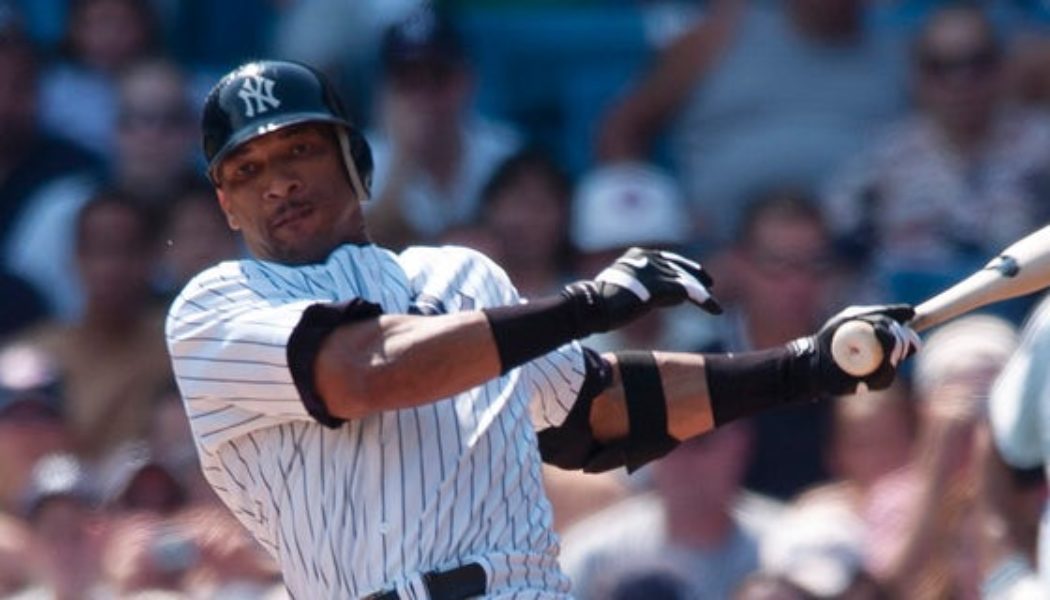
(636, 283)
(898, 342)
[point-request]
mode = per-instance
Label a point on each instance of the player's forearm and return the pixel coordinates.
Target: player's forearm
(654, 400)
(685, 390)
(399, 361)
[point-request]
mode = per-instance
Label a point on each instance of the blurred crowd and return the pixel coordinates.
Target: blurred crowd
(811, 153)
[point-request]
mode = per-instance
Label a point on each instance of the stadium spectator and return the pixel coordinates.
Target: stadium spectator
(432, 153)
(67, 532)
(36, 168)
(79, 97)
(196, 237)
(201, 552)
(620, 205)
(758, 95)
(155, 137)
(962, 176)
(818, 541)
(923, 521)
(694, 524)
(31, 425)
(526, 207)
(777, 280)
(113, 358)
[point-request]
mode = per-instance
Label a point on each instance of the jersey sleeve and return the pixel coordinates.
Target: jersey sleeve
(228, 339)
(1014, 408)
(555, 381)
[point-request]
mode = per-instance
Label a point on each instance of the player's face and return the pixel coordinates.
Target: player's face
(288, 193)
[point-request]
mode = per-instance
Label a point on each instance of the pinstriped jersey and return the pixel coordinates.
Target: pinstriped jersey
(369, 505)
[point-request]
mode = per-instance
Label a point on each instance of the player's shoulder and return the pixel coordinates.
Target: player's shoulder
(217, 284)
(438, 269)
(450, 258)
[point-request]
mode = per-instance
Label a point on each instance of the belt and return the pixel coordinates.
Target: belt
(459, 583)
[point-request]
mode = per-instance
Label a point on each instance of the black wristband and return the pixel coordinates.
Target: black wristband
(741, 385)
(526, 331)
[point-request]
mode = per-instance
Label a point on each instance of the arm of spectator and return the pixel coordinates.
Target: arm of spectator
(630, 127)
(942, 452)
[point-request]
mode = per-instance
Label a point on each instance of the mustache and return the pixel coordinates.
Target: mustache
(287, 209)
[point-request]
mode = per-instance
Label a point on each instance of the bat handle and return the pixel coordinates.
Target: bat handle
(855, 348)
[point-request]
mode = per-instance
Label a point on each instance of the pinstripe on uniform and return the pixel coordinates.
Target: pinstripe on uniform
(363, 507)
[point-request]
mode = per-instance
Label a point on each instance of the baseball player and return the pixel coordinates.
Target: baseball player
(377, 420)
(1018, 413)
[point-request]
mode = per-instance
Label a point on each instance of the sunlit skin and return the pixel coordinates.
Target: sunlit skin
(289, 195)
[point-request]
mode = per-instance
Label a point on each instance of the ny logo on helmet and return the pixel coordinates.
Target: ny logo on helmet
(257, 93)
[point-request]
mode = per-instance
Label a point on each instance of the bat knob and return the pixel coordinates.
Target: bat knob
(855, 348)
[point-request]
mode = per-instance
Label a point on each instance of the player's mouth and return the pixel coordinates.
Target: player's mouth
(290, 215)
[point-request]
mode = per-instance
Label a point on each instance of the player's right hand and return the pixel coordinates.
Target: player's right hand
(638, 281)
(898, 342)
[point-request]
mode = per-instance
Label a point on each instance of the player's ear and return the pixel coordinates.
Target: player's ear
(224, 203)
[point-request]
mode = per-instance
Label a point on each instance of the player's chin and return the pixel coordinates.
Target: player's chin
(300, 254)
(301, 246)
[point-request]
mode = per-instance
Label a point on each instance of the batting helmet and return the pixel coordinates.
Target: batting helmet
(263, 96)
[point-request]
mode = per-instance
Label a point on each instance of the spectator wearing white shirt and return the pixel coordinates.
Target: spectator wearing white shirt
(432, 154)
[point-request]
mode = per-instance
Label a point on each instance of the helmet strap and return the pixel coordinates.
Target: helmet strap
(351, 166)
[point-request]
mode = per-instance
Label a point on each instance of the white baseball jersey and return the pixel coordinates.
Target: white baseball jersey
(1019, 412)
(376, 502)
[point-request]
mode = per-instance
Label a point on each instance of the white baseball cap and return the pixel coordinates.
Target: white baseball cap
(628, 204)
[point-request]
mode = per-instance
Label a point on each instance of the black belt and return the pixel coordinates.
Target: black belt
(462, 582)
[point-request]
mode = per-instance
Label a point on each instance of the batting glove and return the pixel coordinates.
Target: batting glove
(898, 342)
(638, 281)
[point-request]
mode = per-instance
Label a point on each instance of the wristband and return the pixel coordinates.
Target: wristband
(526, 331)
(741, 385)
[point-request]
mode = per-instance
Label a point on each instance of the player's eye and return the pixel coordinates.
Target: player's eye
(302, 148)
(245, 170)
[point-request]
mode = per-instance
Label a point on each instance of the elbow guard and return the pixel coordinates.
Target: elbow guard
(572, 444)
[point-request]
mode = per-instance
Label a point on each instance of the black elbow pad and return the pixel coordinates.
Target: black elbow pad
(572, 446)
(316, 323)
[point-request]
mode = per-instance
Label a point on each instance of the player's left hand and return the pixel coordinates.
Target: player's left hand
(640, 280)
(898, 342)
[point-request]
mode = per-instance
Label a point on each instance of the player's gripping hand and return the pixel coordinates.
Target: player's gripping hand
(637, 282)
(898, 342)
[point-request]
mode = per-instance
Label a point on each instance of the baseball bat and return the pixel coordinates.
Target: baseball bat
(1020, 269)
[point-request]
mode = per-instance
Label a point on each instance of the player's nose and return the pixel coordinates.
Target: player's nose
(283, 183)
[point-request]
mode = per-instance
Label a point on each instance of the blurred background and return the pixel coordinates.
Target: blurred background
(811, 153)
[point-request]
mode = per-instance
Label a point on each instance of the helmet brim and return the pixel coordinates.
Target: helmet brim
(270, 126)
